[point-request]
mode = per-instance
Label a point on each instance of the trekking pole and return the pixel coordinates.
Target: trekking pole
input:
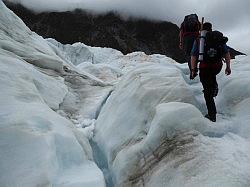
(202, 22)
(202, 41)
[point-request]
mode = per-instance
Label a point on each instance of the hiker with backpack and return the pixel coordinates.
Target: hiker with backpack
(210, 64)
(189, 31)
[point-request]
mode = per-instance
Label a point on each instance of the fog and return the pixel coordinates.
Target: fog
(229, 16)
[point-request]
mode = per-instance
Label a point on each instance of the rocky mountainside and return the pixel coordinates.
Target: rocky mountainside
(107, 30)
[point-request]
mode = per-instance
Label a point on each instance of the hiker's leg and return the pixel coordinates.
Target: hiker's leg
(215, 84)
(208, 85)
(209, 98)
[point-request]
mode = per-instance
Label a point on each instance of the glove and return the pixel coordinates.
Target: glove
(193, 73)
(228, 71)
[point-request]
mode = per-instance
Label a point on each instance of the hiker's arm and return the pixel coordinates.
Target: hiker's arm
(193, 63)
(194, 58)
(193, 67)
(227, 61)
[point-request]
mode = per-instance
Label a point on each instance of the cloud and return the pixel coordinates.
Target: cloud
(228, 16)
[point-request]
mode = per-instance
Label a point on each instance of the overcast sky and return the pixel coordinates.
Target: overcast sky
(229, 16)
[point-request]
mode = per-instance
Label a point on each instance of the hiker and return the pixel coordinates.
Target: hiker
(189, 31)
(215, 49)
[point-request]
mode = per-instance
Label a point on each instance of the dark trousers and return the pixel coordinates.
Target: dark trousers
(210, 86)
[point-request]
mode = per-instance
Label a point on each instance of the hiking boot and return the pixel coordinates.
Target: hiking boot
(211, 118)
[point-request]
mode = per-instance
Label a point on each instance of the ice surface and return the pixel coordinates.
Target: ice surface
(156, 138)
(38, 146)
(20, 41)
(76, 54)
(143, 89)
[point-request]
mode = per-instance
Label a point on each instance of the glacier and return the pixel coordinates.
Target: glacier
(75, 115)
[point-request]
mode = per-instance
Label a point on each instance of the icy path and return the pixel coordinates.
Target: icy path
(82, 106)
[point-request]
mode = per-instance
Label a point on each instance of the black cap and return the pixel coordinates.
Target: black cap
(207, 26)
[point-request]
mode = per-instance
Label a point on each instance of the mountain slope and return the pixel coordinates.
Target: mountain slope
(107, 30)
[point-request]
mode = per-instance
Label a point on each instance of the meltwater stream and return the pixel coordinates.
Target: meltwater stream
(101, 161)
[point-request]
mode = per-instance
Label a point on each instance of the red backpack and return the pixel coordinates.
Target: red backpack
(190, 24)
